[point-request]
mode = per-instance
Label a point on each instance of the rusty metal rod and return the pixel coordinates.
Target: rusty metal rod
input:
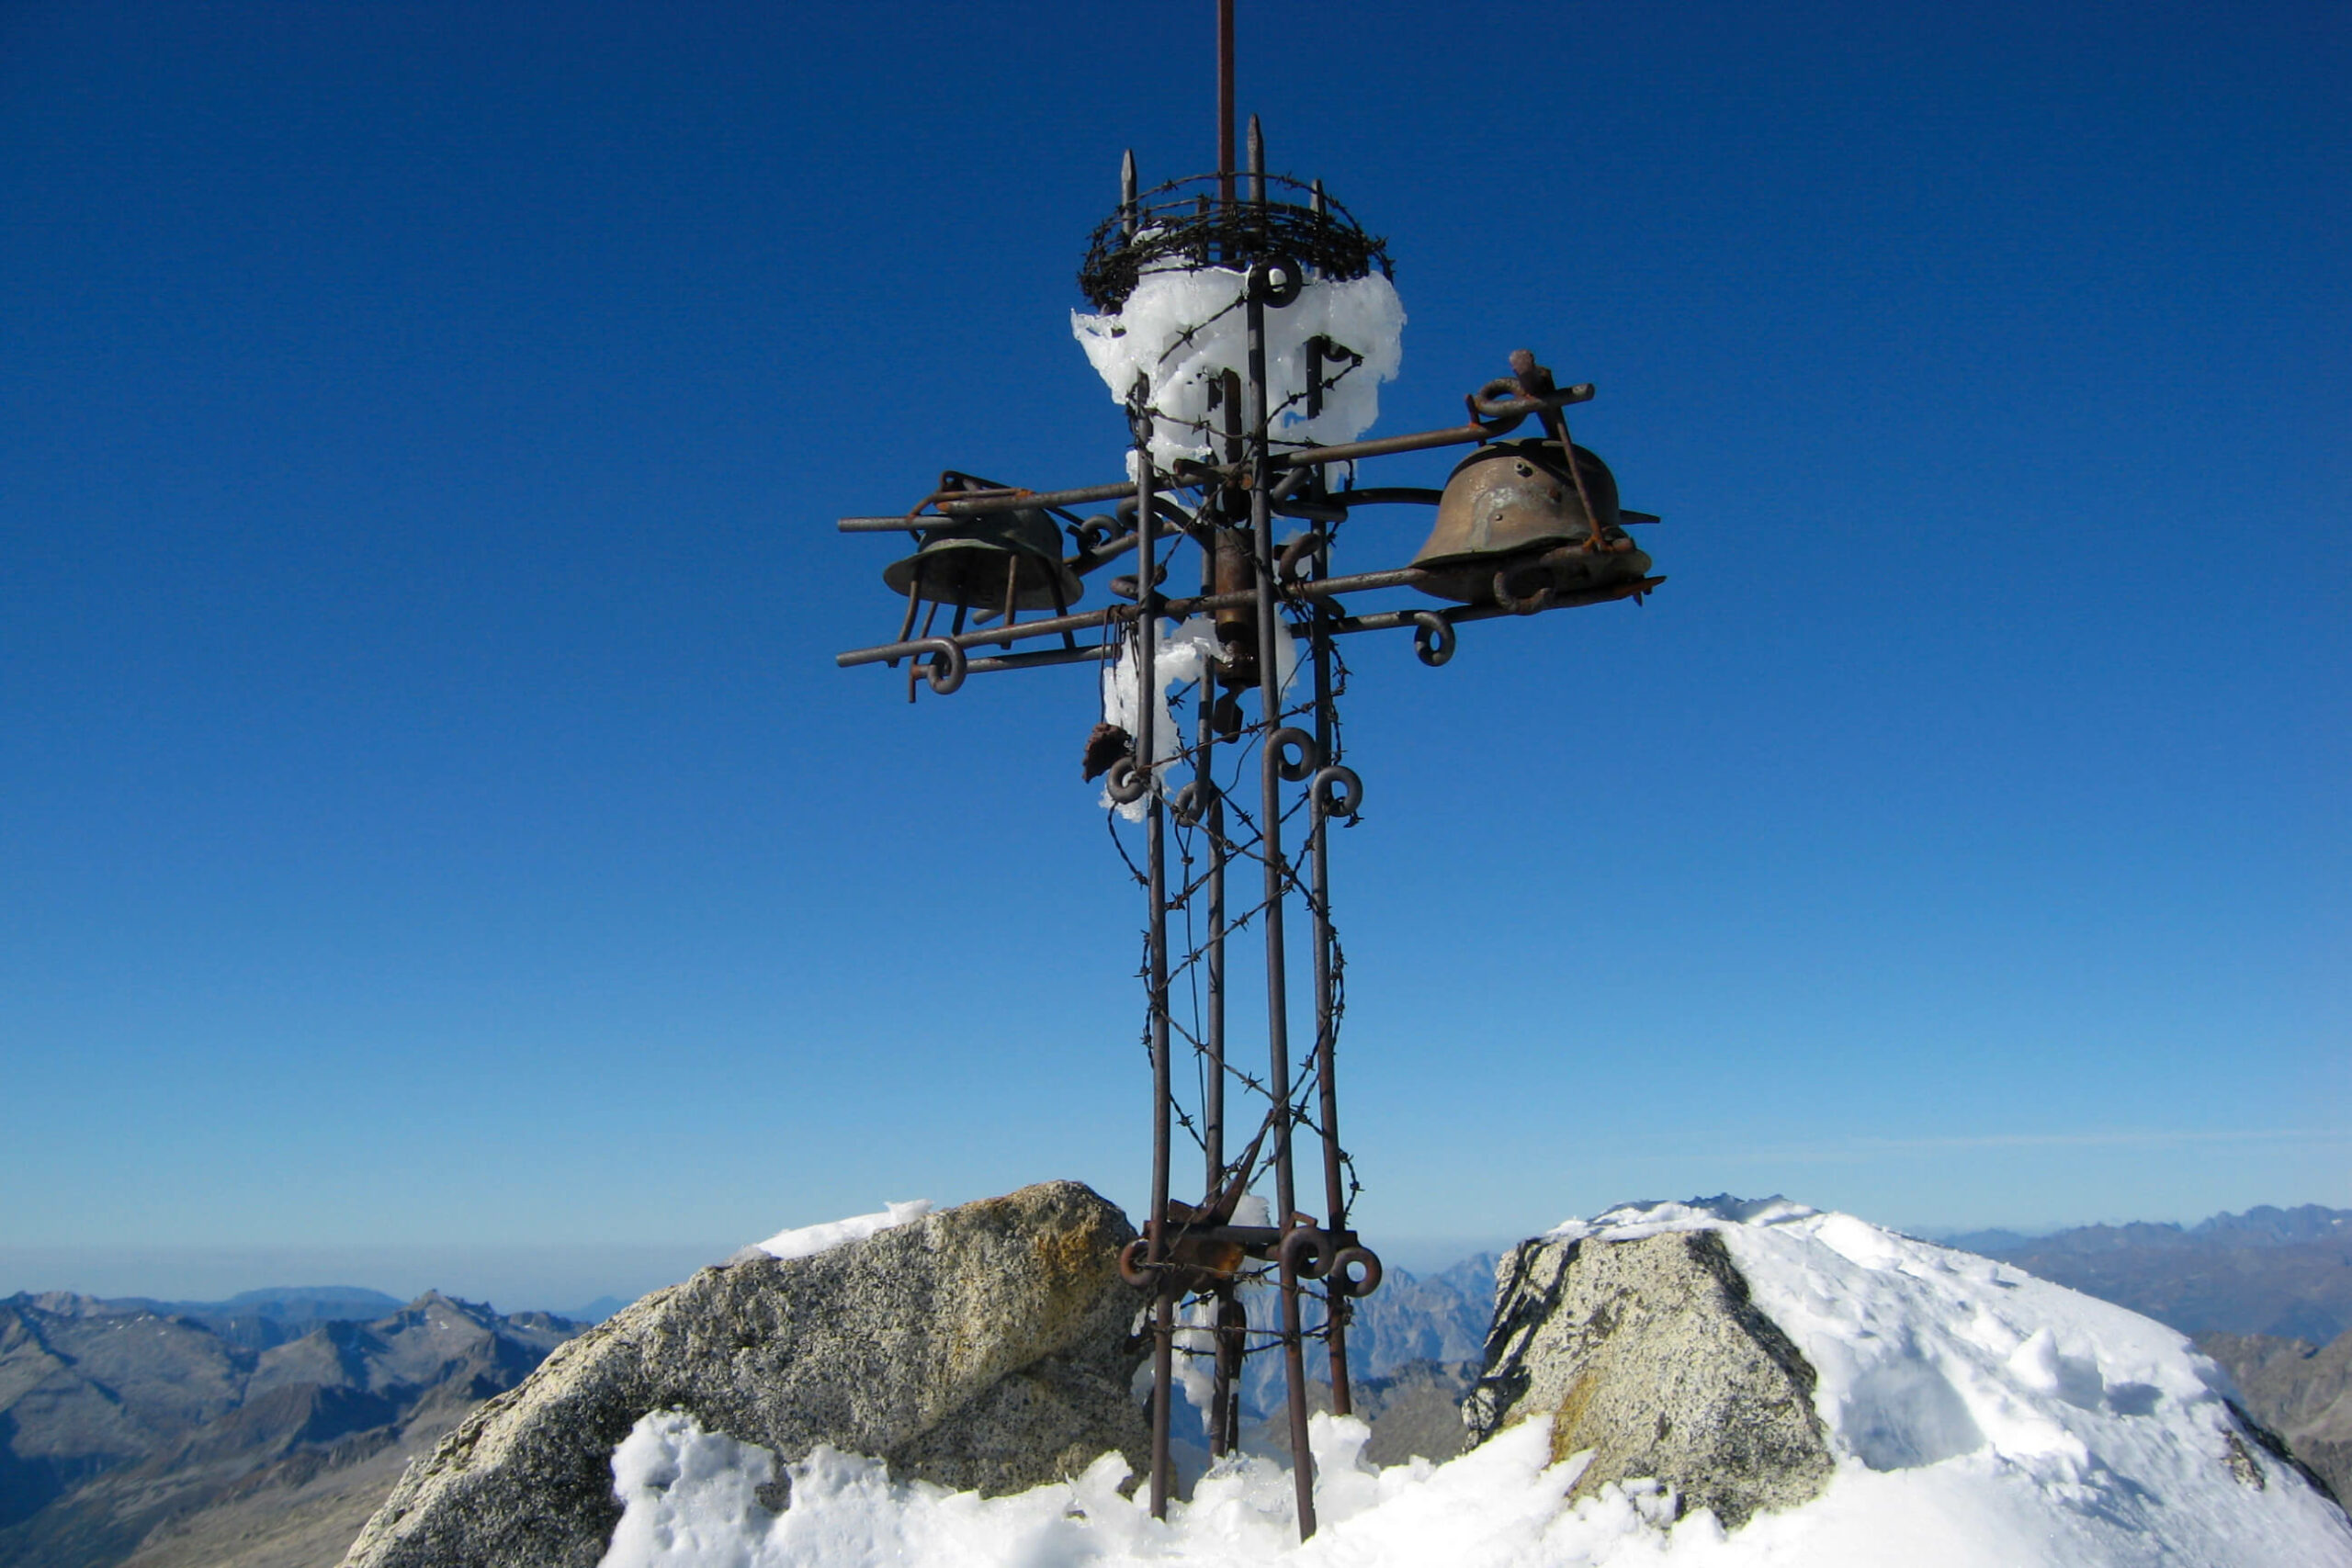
(1210, 812)
(1257, 166)
(1041, 500)
(1084, 620)
(1270, 827)
(1387, 495)
(1506, 414)
(1379, 621)
(1326, 1022)
(1456, 435)
(1163, 1313)
(1225, 101)
(1360, 583)
(1389, 620)
(1042, 657)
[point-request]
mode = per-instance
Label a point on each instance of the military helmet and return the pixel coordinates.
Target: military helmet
(1516, 497)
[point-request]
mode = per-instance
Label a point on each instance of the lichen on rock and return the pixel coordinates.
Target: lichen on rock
(1648, 1354)
(983, 1346)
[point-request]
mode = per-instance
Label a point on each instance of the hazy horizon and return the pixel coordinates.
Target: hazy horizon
(525, 1277)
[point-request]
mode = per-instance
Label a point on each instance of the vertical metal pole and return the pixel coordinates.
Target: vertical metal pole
(1327, 1023)
(1224, 99)
(1164, 1312)
(1223, 1425)
(1212, 818)
(1269, 702)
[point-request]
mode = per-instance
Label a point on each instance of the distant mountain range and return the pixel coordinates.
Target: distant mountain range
(258, 1320)
(2282, 1272)
(175, 1435)
(1440, 1319)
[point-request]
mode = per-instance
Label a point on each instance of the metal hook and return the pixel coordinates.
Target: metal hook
(1126, 782)
(1434, 637)
(1337, 792)
(945, 666)
(1281, 742)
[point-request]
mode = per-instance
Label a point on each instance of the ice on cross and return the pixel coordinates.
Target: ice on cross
(1184, 328)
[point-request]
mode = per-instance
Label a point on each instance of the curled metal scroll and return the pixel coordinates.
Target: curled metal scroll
(1361, 1284)
(1434, 637)
(1337, 792)
(1192, 802)
(1307, 1253)
(1096, 532)
(945, 665)
(1126, 782)
(1163, 507)
(1281, 742)
(1501, 398)
(1490, 406)
(1297, 556)
(1134, 1269)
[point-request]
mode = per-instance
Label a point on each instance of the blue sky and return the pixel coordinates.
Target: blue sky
(432, 818)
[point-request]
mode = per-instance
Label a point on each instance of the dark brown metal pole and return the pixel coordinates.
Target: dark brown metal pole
(1326, 1022)
(1224, 100)
(1164, 1312)
(1270, 827)
(1232, 1316)
(1212, 819)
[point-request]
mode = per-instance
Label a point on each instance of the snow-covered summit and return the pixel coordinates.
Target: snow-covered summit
(1631, 1222)
(1976, 1415)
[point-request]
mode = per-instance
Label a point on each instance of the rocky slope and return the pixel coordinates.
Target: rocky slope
(2302, 1390)
(984, 1348)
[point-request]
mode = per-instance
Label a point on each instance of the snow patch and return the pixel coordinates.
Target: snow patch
(688, 1496)
(809, 1240)
(1180, 656)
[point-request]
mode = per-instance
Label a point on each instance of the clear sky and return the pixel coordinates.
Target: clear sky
(430, 816)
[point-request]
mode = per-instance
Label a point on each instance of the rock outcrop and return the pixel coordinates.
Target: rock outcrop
(982, 1347)
(2302, 1392)
(1648, 1353)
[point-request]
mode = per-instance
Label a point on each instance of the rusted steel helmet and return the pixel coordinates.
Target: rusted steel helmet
(975, 561)
(1513, 502)
(1514, 496)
